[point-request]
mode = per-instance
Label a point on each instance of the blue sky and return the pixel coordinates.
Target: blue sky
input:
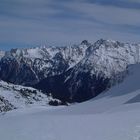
(26, 23)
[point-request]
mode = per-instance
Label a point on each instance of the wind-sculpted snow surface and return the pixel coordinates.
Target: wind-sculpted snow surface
(109, 116)
(71, 73)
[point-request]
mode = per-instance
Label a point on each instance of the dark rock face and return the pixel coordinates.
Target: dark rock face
(8, 69)
(16, 72)
(56, 86)
(5, 105)
(82, 88)
(85, 86)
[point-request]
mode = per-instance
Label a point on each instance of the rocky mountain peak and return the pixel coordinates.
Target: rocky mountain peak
(85, 42)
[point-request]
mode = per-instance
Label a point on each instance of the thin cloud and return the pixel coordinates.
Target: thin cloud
(132, 4)
(64, 22)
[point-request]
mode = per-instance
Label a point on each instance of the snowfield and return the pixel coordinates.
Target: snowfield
(40, 125)
(113, 115)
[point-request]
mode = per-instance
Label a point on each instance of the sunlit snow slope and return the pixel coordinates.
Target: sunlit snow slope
(113, 115)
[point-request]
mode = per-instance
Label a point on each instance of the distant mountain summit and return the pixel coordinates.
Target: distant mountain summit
(71, 73)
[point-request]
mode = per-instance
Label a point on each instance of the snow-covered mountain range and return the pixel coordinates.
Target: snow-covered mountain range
(28, 66)
(70, 73)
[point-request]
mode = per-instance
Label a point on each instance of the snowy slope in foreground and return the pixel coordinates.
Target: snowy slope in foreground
(114, 115)
(42, 126)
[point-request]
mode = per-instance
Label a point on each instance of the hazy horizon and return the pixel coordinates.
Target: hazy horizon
(8, 47)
